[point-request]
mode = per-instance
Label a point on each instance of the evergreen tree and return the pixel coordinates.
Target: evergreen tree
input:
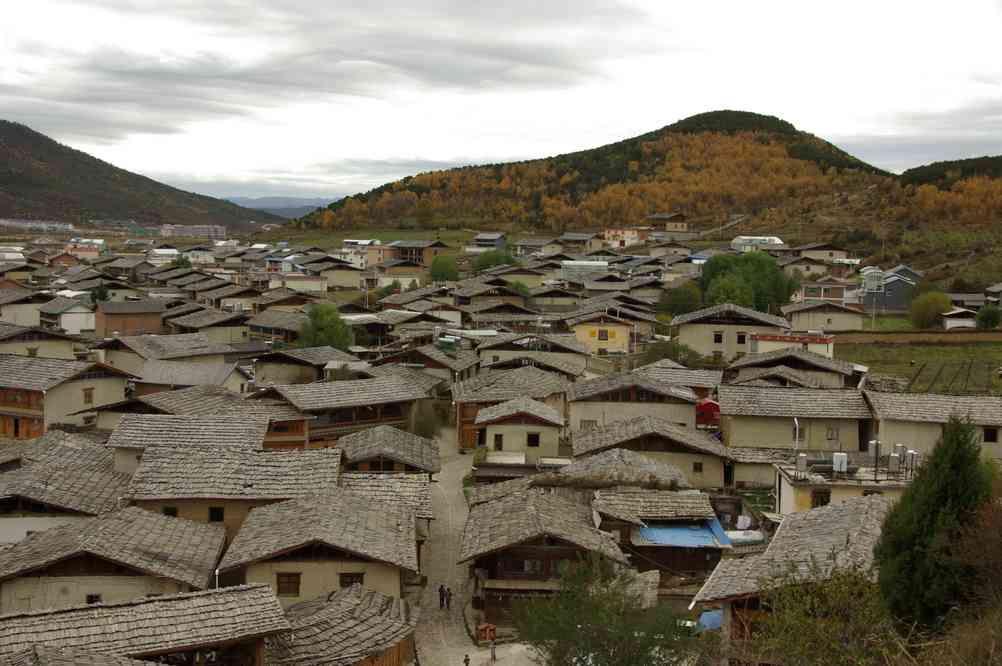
(325, 328)
(921, 577)
(680, 300)
(444, 269)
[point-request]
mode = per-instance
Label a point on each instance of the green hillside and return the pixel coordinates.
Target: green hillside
(945, 174)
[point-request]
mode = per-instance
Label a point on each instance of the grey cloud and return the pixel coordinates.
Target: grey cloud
(326, 51)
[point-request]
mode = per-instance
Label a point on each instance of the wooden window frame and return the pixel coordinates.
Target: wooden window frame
(349, 578)
(529, 436)
(222, 514)
(288, 583)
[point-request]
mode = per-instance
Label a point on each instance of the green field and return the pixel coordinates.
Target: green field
(970, 368)
(888, 323)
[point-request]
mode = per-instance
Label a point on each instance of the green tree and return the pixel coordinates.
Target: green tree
(181, 262)
(325, 328)
(598, 618)
(681, 300)
(392, 288)
(926, 308)
(921, 577)
(757, 272)
(493, 258)
(730, 288)
(520, 287)
(444, 269)
(989, 317)
(100, 293)
(672, 350)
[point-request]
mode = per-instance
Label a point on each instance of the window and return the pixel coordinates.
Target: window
(349, 579)
(498, 442)
(991, 435)
(88, 396)
(697, 468)
(496, 358)
(32, 351)
(89, 420)
(169, 511)
(603, 334)
(718, 337)
(287, 584)
(93, 598)
(829, 320)
(532, 439)
(832, 433)
(587, 424)
(216, 514)
(742, 337)
(820, 498)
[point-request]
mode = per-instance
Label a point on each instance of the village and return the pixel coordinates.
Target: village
(185, 478)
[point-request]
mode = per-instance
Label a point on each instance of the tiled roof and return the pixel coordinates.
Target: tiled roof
(516, 406)
(419, 379)
(656, 366)
(792, 402)
(174, 548)
(406, 489)
(185, 373)
(600, 385)
(173, 346)
(777, 372)
(502, 386)
(813, 543)
(511, 520)
(665, 374)
(565, 342)
(40, 374)
(276, 295)
(376, 531)
(791, 356)
(227, 291)
(637, 505)
(228, 472)
(316, 356)
(406, 297)
(208, 317)
(279, 319)
(206, 285)
(342, 629)
(457, 362)
(62, 304)
(620, 432)
(182, 309)
(151, 625)
(147, 306)
(983, 410)
(218, 401)
(140, 431)
(44, 655)
(348, 393)
(550, 361)
(389, 442)
(731, 310)
(8, 296)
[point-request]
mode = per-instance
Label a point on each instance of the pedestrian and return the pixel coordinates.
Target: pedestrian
(466, 660)
(441, 597)
(448, 598)
(494, 654)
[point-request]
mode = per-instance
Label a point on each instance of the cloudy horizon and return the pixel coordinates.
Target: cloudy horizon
(323, 99)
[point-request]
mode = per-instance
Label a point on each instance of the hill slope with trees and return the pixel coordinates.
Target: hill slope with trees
(43, 179)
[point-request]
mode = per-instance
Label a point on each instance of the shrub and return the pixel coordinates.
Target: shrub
(989, 317)
(926, 308)
(444, 269)
(681, 300)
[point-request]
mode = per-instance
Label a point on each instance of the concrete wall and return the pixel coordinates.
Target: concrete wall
(603, 413)
(514, 439)
(797, 498)
(69, 397)
(266, 373)
(22, 314)
(618, 342)
(36, 592)
(754, 475)
(776, 432)
(43, 348)
(346, 279)
(15, 526)
(321, 577)
(819, 320)
(699, 337)
(74, 322)
(712, 475)
(922, 437)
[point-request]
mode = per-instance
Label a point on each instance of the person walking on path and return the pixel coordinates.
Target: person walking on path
(448, 598)
(494, 654)
(466, 660)
(441, 597)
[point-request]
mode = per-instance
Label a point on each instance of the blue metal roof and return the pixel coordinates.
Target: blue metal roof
(706, 535)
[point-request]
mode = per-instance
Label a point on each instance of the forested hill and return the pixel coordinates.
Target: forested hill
(43, 179)
(946, 174)
(708, 165)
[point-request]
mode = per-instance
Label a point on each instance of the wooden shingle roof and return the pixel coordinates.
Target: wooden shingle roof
(601, 385)
(407, 489)
(371, 530)
(141, 431)
(503, 386)
(517, 406)
(737, 400)
(732, 311)
(150, 626)
(42, 374)
(348, 393)
(637, 505)
(983, 410)
(389, 442)
(792, 356)
(617, 433)
(45, 655)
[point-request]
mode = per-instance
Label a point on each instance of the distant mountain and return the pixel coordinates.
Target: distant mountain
(41, 178)
(945, 174)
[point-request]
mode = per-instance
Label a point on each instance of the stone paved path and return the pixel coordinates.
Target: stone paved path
(441, 636)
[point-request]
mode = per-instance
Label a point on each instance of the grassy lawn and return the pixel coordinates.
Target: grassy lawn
(888, 323)
(967, 368)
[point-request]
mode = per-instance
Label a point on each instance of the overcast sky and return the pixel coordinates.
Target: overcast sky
(326, 97)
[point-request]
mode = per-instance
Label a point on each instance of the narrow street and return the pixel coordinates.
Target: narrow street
(441, 637)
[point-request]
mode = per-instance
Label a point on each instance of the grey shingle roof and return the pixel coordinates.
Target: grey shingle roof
(279, 319)
(208, 317)
(511, 520)
(729, 309)
(832, 537)
(13, 331)
(217, 401)
(410, 490)
(185, 373)
(151, 625)
(341, 520)
(776, 372)
(932, 408)
(565, 342)
(342, 629)
(596, 387)
(42, 374)
(226, 472)
(681, 376)
(229, 290)
(509, 384)
(62, 304)
(182, 309)
(44, 655)
(550, 361)
(791, 356)
(173, 346)
(337, 394)
(8, 296)
(620, 432)
(657, 366)
(419, 379)
(389, 442)
(637, 505)
(140, 431)
(414, 294)
(790, 402)
(173, 548)
(146, 306)
(316, 356)
(818, 305)
(460, 360)
(521, 405)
